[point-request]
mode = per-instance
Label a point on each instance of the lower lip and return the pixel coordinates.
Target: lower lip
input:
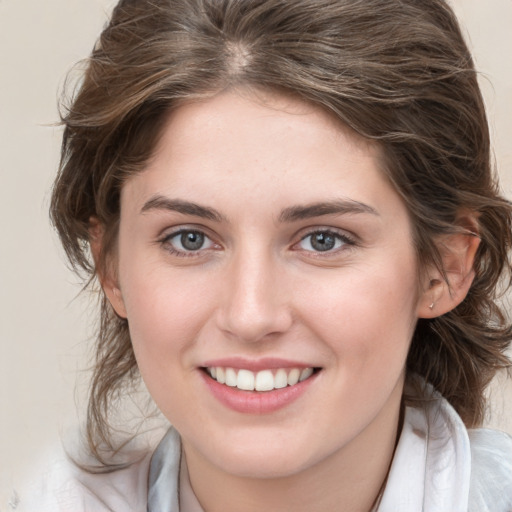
(256, 402)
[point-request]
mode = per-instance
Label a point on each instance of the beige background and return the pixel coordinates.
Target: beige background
(44, 324)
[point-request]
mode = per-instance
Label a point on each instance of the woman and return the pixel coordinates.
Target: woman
(292, 216)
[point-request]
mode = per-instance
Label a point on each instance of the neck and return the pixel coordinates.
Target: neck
(352, 477)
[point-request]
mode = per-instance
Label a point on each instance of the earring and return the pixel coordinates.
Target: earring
(431, 307)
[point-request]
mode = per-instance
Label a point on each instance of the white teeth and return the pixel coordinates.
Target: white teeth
(221, 375)
(281, 379)
(293, 377)
(264, 380)
(305, 374)
(231, 379)
(245, 380)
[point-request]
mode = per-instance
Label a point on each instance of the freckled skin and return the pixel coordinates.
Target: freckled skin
(259, 287)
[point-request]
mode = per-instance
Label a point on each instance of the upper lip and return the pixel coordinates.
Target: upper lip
(255, 365)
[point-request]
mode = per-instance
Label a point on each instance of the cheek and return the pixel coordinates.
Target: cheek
(165, 312)
(164, 322)
(367, 314)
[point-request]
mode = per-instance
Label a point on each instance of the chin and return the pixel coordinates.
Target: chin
(258, 467)
(263, 456)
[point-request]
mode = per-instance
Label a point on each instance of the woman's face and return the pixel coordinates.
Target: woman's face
(263, 243)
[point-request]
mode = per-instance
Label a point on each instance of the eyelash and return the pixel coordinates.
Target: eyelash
(346, 242)
(167, 244)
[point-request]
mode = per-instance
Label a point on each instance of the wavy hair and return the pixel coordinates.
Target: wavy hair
(397, 72)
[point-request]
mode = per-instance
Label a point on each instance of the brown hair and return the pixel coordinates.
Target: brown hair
(395, 71)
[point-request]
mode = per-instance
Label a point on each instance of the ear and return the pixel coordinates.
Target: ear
(442, 293)
(106, 273)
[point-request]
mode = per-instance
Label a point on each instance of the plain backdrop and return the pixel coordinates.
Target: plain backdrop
(45, 323)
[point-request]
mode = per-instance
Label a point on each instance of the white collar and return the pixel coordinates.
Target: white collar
(163, 478)
(431, 468)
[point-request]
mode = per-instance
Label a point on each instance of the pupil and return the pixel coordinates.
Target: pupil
(323, 241)
(192, 241)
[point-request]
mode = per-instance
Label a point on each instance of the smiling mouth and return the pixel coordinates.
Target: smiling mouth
(263, 380)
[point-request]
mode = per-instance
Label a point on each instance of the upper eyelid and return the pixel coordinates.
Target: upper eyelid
(334, 231)
(178, 231)
(342, 233)
(169, 231)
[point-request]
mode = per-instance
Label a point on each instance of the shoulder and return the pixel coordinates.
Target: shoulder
(59, 485)
(491, 471)
(452, 468)
(486, 453)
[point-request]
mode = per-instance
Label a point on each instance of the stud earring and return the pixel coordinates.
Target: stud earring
(431, 307)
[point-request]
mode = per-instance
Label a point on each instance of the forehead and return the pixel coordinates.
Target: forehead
(253, 152)
(269, 112)
(249, 124)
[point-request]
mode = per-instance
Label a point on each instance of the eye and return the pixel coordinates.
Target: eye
(323, 241)
(187, 241)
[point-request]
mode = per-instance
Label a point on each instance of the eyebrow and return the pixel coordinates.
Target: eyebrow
(336, 207)
(291, 214)
(178, 205)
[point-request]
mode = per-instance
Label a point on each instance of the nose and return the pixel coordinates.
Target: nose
(254, 306)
